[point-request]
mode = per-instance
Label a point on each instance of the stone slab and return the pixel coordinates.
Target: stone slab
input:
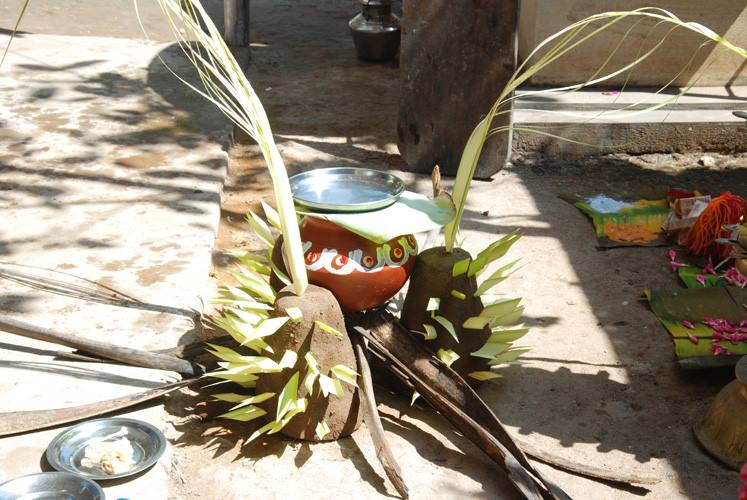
(701, 120)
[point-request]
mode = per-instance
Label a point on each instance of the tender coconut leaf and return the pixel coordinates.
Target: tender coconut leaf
(448, 326)
(312, 363)
(246, 379)
(247, 256)
(330, 386)
(505, 336)
(500, 307)
(495, 278)
(254, 400)
(494, 251)
(460, 267)
(483, 375)
(322, 429)
(251, 318)
(509, 356)
(262, 430)
(433, 304)
(289, 359)
(250, 364)
(271, 215)
(298, 406)
(245, 413)
(260, 228)
(281, 275)
(294, 313)
(287, 396)
(329, 329)
(256, 262)
(15, 29)
(430, 332)
(255, 285)
(447, 356)
(465, 172)
(476, 323)
(240, 299)
(412, 213)
(231, 397)
(308, 382)
(347, 375)
(224, 353)
(508, 319)
(241, 333)
(268, 327)
(237, 293)
(458, 295)
(491, 349)
(226, 86)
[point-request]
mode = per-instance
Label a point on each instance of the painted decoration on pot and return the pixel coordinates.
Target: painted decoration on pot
(360, 273)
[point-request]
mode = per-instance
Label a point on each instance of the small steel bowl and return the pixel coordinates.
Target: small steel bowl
(51, 486)
(66, 451)
(345, 189)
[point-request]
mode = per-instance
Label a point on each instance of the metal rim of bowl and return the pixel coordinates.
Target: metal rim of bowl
(99, 490)
(349, 207)
(53, 460)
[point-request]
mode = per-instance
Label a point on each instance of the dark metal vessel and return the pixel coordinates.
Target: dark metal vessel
(376, 31)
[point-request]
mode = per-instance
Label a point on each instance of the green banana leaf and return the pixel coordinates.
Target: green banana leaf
(672, 307)
(689, 273)
(638, 223)
(412, 213)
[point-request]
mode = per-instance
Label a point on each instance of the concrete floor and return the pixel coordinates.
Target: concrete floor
(600, 385)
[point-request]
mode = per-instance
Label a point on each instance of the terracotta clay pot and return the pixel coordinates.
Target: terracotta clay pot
(360, 273)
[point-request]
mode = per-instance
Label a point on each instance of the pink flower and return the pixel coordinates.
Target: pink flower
(675, 265)
(734, 277)
(718, 350)
(688, 325)
(700, 278)
(693, 338)
(709, 269)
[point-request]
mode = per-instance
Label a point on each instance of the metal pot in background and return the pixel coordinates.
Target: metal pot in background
(376, 31)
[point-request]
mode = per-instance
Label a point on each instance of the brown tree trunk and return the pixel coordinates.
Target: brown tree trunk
(455, 58)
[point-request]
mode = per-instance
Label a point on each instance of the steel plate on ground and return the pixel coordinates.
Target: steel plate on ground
(51, 486)
(66, 451)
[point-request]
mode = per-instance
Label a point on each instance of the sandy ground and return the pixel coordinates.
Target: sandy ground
(600, 385)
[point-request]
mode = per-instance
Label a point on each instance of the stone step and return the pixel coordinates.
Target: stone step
(600, 119)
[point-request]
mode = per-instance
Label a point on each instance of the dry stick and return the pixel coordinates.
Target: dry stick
(462, 395)
(134, 357)
(523, 480)
(373, 422)
(18, 422)
(421, 362)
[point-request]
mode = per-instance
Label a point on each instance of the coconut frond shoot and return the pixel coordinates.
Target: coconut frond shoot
(14, 30)
(452, 312)
(228, 88)
(552, 49)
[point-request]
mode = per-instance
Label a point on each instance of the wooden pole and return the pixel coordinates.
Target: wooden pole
(236, 23)
(455, 57)
(127, 355)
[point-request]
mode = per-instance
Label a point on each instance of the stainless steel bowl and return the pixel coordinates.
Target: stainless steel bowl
(346, 189)
(51, 486)
(66, 451)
